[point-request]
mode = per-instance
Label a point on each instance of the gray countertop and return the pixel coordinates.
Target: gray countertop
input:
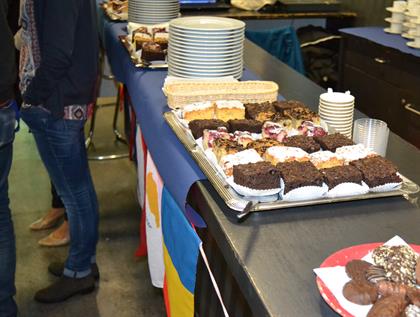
(272, 253)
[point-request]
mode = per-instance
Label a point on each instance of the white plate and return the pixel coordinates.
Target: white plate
(388, 30)
(336, 111)
(207, 23)
(200, 59)
(205, 33)
(391, 9)
(205, 68)
(408, 36)
(184, 69)
(203, 52)
(203, 74)
(203, 48)
(230, 42)
(413, 45)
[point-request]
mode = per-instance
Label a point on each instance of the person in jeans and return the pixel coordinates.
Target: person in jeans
(58, 68)
(7, 129)
(61, 235)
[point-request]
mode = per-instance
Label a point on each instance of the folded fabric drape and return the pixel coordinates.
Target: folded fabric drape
(282, 43)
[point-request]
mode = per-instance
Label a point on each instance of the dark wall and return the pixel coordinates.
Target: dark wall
(370, 12)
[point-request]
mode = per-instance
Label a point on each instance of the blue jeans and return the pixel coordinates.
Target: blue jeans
(7, 236)
(61, 145)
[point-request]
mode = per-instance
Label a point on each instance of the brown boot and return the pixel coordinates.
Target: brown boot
(57, 238)
(50, 220)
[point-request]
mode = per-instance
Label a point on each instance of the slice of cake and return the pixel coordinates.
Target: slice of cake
(229, 109)
(342, 174)
(198, 110)
(377, 171)
(151, 51)
(244, 157)
(262, 145)
(223, 147)
(243, 138)
(325, 159)
(305, 143)
(354, 152)
(282, 120)
(299, 174)
(161, 37)
(331, 142)
(308, 128)
(252, 126)
(209, 136)
(280, 106)
(259, 111)
(197, 126)
(260, 175)
(280, 154)
(141, 36)
(301, 114)
(275, 131)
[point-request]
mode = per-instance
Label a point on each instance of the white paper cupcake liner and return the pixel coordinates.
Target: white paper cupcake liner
(386, 187)
(347, 189)
(249, 192)
(303, 193)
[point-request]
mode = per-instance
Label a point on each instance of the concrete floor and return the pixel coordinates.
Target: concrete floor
(125, 289)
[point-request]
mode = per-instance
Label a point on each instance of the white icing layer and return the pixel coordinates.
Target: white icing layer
(229, 104)
(198, 106)
(244, 157)
(353, 152)
(321, 156)
(284, 153)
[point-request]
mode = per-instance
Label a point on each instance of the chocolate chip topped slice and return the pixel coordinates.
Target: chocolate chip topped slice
(399, 263)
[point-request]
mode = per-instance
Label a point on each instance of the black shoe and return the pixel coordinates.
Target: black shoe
(65, 288)
(57, 268)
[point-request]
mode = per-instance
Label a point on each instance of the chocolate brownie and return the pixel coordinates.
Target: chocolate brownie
(361, 293)
(280, 106)
(377, 171)
(418, 271)
(356, 270)
(413, 295)
(152, 52)
(306, 143)
(259, 111)
(262, 145)
(342, 174)
(252, 126)
(376, 274)
(331, 142)
(261, 175)
(298, 174)
(198, 126)
(390, 306)
(387, 288)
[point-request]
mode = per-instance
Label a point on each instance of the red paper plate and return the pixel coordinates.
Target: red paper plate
(340, 258)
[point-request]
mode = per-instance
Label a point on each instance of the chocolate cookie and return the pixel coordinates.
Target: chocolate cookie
(386, 288)
(376, 274)
(356, 269)
(362, 293)
(391, 306)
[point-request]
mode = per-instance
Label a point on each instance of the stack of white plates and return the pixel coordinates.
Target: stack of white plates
(337, 110)
(201, 47)
(152, 11)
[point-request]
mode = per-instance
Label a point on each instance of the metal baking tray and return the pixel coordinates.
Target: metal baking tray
(112, 16)
(239, 203)
(138, 62)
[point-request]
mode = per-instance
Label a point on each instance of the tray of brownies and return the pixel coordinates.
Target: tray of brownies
(262, 154)
(147, 45)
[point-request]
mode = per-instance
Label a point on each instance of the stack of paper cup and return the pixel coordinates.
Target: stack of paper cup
(397, 18)
(411, 16)
(336, 109)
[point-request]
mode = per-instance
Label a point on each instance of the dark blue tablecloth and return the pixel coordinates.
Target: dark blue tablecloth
(176, 167)
(378, 35)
